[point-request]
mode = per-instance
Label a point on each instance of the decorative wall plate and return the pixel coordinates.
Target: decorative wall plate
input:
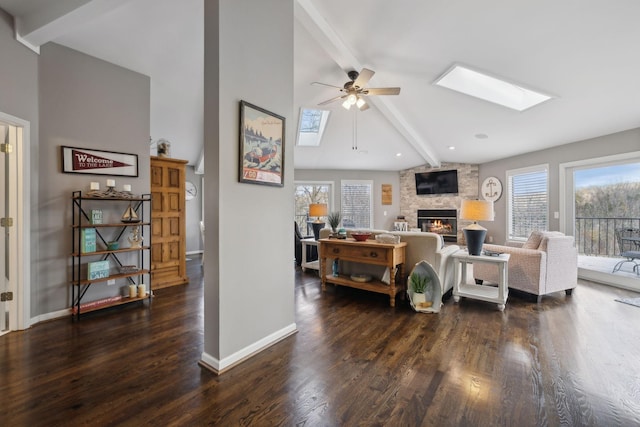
(491, 189)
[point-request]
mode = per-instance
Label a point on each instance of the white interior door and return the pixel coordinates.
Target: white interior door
(8, 241)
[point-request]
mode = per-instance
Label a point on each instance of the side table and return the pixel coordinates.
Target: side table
(314, 265)
(480, 292)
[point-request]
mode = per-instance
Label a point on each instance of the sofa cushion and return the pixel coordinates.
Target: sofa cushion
(534, 240)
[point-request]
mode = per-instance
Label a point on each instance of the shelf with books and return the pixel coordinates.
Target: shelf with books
(100, 253)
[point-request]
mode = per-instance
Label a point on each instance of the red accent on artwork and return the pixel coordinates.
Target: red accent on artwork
(85, 161)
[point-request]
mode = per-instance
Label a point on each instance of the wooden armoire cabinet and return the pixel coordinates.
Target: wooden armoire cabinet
(168, 228)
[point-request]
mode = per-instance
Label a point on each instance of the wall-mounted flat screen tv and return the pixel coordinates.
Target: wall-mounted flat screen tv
(437, 182)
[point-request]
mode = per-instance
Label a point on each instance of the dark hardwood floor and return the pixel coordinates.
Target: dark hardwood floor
(571, 361)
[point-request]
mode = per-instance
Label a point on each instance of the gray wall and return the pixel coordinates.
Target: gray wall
(249, 284)
(380, 220)
(89, 103)
(617, 143)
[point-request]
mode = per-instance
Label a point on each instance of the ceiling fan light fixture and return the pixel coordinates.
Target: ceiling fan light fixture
(346, 104)
(360, 103)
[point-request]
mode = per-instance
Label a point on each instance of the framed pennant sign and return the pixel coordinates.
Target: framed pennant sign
(98, 162)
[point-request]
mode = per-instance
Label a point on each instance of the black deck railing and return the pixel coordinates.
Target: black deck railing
(596, 236)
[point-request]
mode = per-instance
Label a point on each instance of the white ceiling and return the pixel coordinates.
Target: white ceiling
(583, 53)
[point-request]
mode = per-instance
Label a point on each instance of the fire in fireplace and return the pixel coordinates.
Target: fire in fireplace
(441, 221)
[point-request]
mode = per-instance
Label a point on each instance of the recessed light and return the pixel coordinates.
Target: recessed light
(398, 154)
(489, 88)
(481, 135)
(451, 147)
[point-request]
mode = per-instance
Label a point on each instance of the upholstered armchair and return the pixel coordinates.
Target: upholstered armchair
(547, 262)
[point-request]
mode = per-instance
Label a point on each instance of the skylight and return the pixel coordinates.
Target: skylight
(492, 89)
(311, 126)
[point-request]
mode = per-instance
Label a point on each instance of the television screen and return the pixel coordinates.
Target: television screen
(437, 182)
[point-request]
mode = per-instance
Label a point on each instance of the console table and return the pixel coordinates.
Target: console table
(485, 293)
(368, 252)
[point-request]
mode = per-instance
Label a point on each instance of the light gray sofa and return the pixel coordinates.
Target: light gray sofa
(420, 246)
(547, 262)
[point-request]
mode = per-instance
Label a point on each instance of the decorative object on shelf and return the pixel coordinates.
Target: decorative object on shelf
(335, 270)
(474, 234)
(334, 220)
(110, 192)
(96, 216)
(126, 188)
(135, 239)
(317, 210)
(133, 291)
(164, 148)
(98, 162)
(361, 237)
(88, 240)
(98, 270)
(491, 189)
(400, 226)
(125, 269)
(113, 246)
(362, 278)
(190, 190)
(130, 215)
(142, 290)
(261, 146)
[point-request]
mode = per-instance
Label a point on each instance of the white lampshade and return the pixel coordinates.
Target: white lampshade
(476, 210)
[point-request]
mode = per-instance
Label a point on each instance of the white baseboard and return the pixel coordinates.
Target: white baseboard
(219, 366)
(195, 252)
(50, 316)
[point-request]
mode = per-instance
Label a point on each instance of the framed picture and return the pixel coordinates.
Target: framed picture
(261, 146)
(98, 162)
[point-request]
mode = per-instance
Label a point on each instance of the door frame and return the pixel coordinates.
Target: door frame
(20, 317)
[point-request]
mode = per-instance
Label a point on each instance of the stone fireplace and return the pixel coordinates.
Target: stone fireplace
(440, 221)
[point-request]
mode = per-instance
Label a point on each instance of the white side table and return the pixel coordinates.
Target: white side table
(484, 293)
(314, 265)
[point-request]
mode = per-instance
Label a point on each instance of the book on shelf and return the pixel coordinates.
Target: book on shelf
(88, 240)
(98, 270)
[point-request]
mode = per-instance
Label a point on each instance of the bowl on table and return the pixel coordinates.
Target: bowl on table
(361, 237)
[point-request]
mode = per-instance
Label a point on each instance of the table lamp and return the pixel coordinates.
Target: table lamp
(317, 210)
(475, 210)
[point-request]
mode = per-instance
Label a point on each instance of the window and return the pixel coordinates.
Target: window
(357, 204)
(311, 126)
(528, 201)
(307, 193)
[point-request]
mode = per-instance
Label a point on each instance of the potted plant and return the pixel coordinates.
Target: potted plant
(418, 285)
(334, 220)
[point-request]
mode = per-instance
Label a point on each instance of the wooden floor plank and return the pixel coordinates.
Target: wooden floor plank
(354, 361)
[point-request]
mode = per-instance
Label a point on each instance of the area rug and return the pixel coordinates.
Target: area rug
(630, 301)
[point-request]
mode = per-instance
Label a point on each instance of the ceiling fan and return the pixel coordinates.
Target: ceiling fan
(354, 91)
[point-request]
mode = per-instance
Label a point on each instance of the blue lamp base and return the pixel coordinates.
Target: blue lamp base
(475, 239)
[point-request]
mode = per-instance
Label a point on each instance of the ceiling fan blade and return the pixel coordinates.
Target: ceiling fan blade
(328, 101)
(363, 78)
(382, 91)
(325, 84)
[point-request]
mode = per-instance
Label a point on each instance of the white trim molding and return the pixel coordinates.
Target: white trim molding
(220, 366)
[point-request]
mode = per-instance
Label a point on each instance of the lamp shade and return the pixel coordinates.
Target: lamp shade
(474, 234)
(476, 210)
(318, 209)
